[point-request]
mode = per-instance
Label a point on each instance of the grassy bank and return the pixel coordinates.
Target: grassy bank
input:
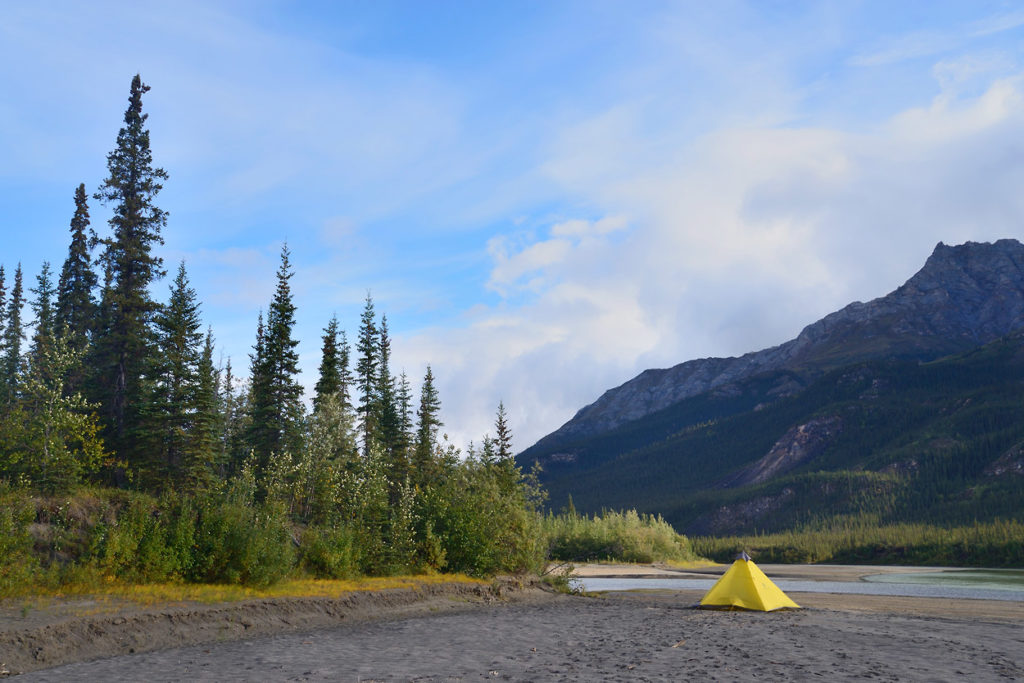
(989, 544)
(614, 536)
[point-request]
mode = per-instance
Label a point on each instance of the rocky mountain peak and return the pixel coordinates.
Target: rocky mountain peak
(964, 296)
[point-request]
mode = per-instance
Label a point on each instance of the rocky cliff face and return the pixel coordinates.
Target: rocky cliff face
(964, 296)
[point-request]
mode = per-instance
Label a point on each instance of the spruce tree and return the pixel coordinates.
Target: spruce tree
(3, 334)
(76, 306)
(233, 438)
(426, 431)
(405, 412)
(329, 383)
(3, 305)
(277, 396)
(175, 380)
(202, 454)
(344, 373)
(503, 438)
(124, 346)
(366, 372)
(13, 336)
(385, 408)
(259, 402)
(386, 416)
(42, 308)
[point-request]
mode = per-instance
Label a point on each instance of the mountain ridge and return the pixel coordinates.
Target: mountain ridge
(963, 296)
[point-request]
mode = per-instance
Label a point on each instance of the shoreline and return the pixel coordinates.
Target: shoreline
(84, 629)
(212, 639)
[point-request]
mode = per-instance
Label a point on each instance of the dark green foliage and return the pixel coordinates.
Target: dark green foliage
(368, 348)
(124, 343)
(14, 333)
(76, 306)
(202, 455)
(172, 406)
(42, 308)
(276, 410)
(428, 423)
(917, 444)
(329, 382)
(249, 489)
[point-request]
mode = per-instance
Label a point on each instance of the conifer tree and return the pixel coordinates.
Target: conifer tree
(75, 303)
(329, 383)
(366, 372)
(3, 333)
(385, 407)
(344, 373)
(13, 336)
(202, 454)
(387, 419)
(233, 438)
(42, 308)
(277, 409)
(503, 435)
(3, 303)
(123, 347)
(405, 412)
(429, 422)
(175, 379)
(259, 403)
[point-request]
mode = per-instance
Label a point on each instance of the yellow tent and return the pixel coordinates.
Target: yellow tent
(745, 586)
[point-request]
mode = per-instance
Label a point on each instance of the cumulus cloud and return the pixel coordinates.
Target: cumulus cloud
(734, 243)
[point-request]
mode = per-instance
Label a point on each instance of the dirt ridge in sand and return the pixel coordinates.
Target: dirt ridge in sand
(75, 638)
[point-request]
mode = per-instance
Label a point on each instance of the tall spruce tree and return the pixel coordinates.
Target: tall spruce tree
(368, 347)
(3, 334)
(42, 308)
(14, 333)
(405, 412)
(385, 405)
(386, 416)
(123, 347)
(503, 435)
(76, 305)
(329, 383)
(174, 378)
(276, 394)
(201, 458)
(426, 431)
(344, 373)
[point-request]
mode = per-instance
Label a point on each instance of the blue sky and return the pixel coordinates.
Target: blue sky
(544, 197)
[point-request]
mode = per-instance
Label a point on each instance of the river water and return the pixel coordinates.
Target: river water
(978, 584)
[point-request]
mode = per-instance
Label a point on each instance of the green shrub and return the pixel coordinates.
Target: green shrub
(329, 553)
(18, 563)
(998, 543)
(147, 541)
(250, 545)
(623, 536)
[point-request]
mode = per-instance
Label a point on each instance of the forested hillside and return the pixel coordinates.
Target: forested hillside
(887, 441)
(126, 450)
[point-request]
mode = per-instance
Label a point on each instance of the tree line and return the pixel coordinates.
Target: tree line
(107, 387)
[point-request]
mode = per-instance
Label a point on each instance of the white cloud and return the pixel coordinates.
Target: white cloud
(734, 243)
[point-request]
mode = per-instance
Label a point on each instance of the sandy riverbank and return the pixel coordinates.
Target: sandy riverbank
(533, 636)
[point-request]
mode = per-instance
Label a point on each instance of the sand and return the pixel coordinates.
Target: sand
(528, 635)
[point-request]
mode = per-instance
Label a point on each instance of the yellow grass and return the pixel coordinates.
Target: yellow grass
(161, 593)
(691, 564)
